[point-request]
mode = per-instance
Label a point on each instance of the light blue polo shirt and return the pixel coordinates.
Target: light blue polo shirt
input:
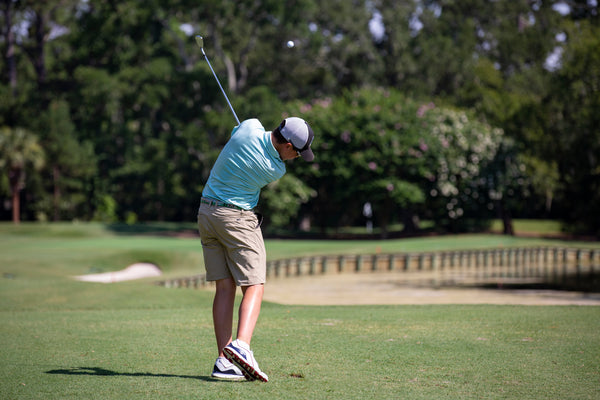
(246, 164)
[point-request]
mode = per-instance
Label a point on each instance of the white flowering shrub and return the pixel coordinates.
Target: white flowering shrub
(407, 159)
(460, 184)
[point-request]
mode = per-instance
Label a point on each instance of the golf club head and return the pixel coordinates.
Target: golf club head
(200, 41)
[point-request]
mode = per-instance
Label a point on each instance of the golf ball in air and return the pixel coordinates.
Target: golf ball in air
(290, 44)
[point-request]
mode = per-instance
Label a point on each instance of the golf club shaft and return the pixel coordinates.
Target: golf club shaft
(200, 43)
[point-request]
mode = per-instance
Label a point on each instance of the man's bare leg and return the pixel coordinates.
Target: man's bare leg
(240, 353)
(223, 312)
(249, 311)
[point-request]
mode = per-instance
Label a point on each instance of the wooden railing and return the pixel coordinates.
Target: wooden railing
(558, 267)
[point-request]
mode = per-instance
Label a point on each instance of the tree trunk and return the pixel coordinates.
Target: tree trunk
(410, 221)
(14, 177)
(383, 216)
(56, 197)
(507, 222)
(15, 206)
(39, 61)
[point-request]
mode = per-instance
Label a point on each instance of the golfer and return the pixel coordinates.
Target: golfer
(232, 242)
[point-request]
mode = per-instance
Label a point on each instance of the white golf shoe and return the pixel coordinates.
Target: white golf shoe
(225, 369)
(240, 354)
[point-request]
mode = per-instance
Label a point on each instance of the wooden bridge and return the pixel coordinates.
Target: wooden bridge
(552, 267)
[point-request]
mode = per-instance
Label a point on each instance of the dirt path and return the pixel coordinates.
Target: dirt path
(386, 288)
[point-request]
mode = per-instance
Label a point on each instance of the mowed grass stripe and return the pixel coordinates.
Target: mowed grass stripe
(369, 352)
(64, 339)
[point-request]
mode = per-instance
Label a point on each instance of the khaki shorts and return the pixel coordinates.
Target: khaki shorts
(233, 245)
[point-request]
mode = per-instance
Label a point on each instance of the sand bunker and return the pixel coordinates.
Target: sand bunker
(388, 288)
(134, 271)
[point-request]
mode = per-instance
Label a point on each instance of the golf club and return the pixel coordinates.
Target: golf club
(200, 43)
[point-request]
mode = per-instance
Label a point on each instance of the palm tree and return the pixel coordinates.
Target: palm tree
(19, 149)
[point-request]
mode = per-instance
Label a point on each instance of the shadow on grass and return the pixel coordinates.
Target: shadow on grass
(590, 287)
(96, 371)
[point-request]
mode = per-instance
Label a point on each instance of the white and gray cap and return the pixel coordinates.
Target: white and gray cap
(297, 131)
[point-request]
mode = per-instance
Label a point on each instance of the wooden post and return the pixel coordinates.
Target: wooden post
(435, 269)
(278, 268)
(392, 262)
(565, 265)
(313, 266)
(593, 266)
(578, 267)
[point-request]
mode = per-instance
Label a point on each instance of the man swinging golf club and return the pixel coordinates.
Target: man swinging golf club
(232, 242)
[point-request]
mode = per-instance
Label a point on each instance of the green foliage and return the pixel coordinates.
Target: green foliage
(572, 126)
(122, 90)
(402, 156)
(361, 149)
(19, 149)
(283, 198)
(71, 165)
(106, 210)
(20, 153)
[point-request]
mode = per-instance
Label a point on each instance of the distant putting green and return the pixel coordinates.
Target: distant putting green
(64, 339)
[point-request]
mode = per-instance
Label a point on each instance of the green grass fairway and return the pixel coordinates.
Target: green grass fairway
(64, 339)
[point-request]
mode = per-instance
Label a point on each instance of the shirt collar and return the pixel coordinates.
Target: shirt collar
(271, 147)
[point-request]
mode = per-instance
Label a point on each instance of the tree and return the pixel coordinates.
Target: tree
(463, 148)
(283, 199)
(362, 155)
(122, 85)
(406, 158)
(19, 150)
(573, 134)
(71, 164)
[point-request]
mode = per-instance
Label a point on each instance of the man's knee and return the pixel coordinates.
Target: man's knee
(253, 288)
(225, 285)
